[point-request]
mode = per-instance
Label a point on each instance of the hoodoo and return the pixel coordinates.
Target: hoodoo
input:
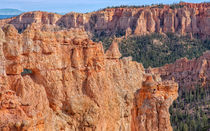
(73, 85)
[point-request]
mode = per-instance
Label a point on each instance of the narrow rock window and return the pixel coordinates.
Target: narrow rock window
(26, 72)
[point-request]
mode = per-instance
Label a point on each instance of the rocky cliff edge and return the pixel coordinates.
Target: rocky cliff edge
(64, 81)
(183, 18)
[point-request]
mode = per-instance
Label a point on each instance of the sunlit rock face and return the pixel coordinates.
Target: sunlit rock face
(151, 104)
(188, 73)
(61, 80)
(24, 20)
(185, 19)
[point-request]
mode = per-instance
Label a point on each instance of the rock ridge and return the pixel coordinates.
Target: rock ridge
(61, 80)
(185, 19)
(188, 73)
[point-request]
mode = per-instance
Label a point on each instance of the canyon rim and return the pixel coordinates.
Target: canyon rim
(53, 77)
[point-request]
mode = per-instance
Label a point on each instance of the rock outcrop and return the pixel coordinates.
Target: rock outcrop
(113, 51)
(43, 19)
(188, 73)
(152, 101)
(63, 81)
(183, 18)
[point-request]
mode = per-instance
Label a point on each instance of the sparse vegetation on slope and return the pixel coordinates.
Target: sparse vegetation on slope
(156, 50)
(191, 111)
(160, 5)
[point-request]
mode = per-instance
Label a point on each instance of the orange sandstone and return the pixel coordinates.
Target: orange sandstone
(192, 19)
(74, 86)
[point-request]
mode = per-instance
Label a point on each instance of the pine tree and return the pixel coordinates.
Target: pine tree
(185, 127)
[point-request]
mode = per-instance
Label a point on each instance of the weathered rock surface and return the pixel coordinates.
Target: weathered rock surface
(188, 73)
(190, 19)
(113, 51)
(44, 19)
(71, 85)
(152, 101)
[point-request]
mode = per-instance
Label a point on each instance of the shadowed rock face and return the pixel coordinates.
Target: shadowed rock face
(190, 19)
(72, 85)
(188, 73)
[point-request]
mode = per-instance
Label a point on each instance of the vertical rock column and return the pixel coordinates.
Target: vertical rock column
(151, 105)
(2, 59)
(12, 51)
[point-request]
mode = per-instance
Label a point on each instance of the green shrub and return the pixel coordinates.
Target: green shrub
(195, 112)
(166, 49)
(26, 72)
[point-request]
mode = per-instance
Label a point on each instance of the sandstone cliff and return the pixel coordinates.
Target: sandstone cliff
(63, 81)
(24, 20)
(187, 18)
(188, 73)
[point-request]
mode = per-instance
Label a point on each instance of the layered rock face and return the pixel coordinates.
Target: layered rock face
(188, 73)
(151, 104)
(64, 81)
(24, 20)
(187, 18)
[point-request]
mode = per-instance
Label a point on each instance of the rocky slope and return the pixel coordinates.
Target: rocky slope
(188, 73)
(21, 22)
(183, 18)
(64, 81)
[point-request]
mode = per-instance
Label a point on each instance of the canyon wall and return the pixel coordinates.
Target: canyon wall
(184, 18)
(188, 73)
(63, 81)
